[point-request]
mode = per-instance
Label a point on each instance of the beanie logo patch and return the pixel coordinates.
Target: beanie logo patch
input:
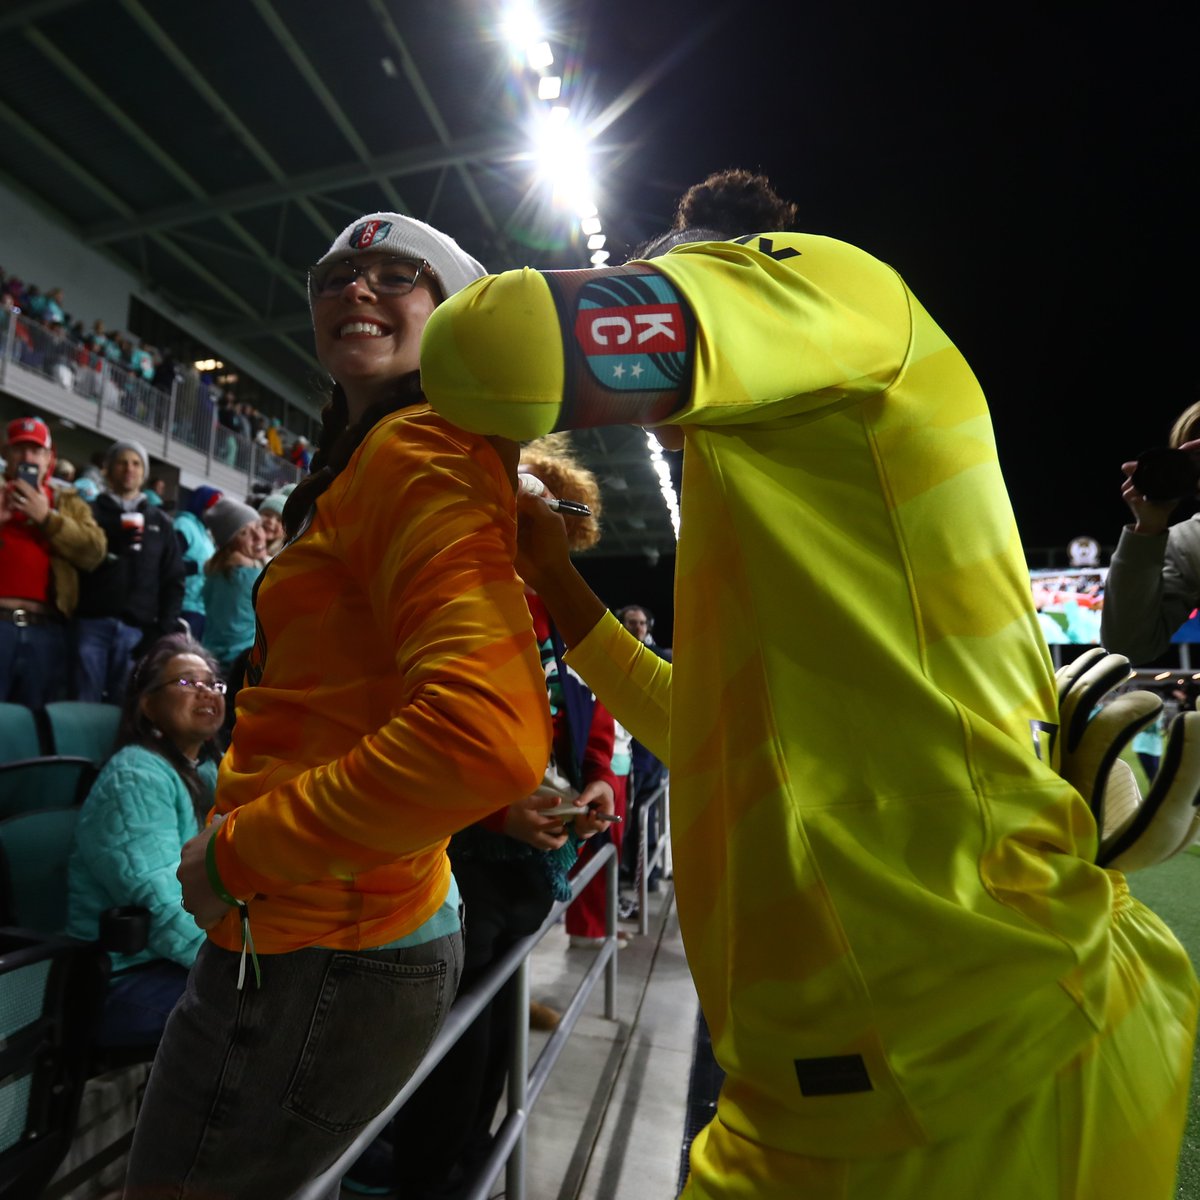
(368, 233)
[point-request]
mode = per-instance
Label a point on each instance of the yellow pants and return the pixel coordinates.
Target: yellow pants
(1107, 1126)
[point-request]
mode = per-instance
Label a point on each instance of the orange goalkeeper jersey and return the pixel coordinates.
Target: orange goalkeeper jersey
(394, 695)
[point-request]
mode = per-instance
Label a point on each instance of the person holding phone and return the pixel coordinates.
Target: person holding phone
(1153, 582)
(46, 537)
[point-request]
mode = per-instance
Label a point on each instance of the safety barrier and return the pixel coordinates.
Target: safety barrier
(646, 862)
(524, 1085)
(185, 415)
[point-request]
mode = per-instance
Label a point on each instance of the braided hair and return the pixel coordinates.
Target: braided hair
(338, 441)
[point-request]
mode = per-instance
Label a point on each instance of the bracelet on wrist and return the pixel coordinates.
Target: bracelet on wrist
(214, 876)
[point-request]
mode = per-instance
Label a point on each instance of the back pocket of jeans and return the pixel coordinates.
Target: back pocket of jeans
(372, 1024)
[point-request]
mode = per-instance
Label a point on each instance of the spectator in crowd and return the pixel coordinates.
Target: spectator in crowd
(647, 775)
(227, 409)
(274, 438)
(52, 312)
(9, 310)
(229, 579)
(299, 454)
(98, 340)
(58, 355)
(150, 798)
(270, 513)
(64, 472)
(906, 952)
(47, 536)
(134, 597)
(155, 491)
(196, 548)
(393, 696)
(32, 302)
(1153, 583)
(165, 371)
(552, 461)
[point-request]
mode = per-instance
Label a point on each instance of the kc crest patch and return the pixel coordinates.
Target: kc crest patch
(368, 233)
(632, 333)
(628, 338)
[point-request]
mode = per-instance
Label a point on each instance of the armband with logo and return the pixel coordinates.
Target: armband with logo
(629, 339)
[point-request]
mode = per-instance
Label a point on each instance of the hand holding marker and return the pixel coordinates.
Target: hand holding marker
(535, 487)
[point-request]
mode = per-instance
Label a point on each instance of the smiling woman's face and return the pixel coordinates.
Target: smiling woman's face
(185, 715)
(367, 341)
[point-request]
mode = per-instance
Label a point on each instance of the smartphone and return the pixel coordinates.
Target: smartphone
(28, 473)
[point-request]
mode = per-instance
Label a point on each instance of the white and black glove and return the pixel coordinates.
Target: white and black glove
(1133, 832)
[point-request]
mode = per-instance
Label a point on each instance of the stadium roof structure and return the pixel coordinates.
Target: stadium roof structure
(216, 149)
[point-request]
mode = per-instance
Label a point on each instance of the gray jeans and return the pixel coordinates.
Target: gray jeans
(254, 1093)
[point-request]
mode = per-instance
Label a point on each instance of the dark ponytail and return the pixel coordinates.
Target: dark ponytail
(338, 442)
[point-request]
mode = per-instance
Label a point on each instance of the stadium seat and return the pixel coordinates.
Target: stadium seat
(34, 849)
(83, 728)
(32, 784)
(51, 990)
(19, 736)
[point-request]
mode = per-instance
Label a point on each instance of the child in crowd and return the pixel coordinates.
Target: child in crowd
(230, 575)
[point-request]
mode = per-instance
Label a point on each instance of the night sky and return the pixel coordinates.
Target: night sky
(1022, 166)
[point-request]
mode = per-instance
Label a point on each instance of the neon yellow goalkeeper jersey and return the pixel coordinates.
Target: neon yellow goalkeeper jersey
(886, 892)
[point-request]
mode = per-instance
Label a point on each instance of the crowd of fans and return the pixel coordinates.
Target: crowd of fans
(73, 355)
(92, 576)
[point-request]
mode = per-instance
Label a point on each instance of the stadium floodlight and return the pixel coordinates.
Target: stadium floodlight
(561, 157)
(521, 26)
(600, 258)
(558, 114)
(587, 208)
(590, 225)
(549, 87)
(539, 56)
(596, 241)
(663, 470)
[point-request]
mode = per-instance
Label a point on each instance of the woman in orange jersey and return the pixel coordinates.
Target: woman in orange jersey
(393, 695)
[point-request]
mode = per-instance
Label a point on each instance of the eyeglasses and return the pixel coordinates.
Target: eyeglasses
(385, 277)
(217, 686)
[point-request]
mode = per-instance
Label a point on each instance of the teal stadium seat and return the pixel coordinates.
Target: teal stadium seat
(56, 781)
(19, 736)
(83, 729)
(34, 849)
(51, 990)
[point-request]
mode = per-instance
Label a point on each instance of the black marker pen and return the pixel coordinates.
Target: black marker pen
(568, 506)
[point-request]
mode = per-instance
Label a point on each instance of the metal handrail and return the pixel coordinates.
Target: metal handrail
(524, 1085)
(646, 868)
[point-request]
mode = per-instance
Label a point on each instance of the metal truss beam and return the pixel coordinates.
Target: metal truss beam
(213, 98)
(482, 147)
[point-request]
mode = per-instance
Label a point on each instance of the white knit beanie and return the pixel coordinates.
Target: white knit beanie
(393, 233)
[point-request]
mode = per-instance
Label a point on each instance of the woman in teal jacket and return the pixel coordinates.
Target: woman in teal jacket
(149, 799)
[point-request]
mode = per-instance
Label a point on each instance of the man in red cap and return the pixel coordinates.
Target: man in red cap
(46, 538)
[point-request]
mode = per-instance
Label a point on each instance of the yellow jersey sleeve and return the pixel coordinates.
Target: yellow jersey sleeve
(692, 338)
(633, 681)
